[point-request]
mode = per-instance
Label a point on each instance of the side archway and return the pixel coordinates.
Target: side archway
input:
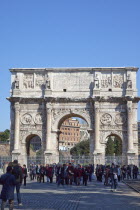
(33, 149)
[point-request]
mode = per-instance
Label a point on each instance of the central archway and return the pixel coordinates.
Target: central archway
(72, 130)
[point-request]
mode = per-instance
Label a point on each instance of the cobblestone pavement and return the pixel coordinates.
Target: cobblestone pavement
(96, 196)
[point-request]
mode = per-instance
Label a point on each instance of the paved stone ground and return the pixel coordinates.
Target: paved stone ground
(44, 196)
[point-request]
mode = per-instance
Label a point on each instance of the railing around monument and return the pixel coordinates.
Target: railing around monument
(83, 160)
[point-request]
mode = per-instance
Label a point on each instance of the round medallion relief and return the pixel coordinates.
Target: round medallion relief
(26, 119)
(106, 119)
(120, 118)
(38, 118)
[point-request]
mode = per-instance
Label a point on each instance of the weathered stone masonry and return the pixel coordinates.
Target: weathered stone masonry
(41, 99)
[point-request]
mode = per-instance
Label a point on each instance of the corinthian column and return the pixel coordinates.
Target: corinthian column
(16, 131)
(96, 109)
(48, 128)
(129, 127)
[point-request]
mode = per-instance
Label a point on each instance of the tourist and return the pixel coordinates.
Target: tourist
(38, 172)
(128, 172)
(85, 173)
(119, 173)
(124, 170)
(60, 174)
(17, 172)
(50, 173)
(41, 173)
(8, 181)
(24, 171)
(70, 171)
(107, 175)
(114, 177)
(135, 172)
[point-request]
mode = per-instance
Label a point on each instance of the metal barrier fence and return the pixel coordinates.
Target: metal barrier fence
(83, 160)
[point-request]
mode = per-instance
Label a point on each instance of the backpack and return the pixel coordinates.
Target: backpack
(16, 172)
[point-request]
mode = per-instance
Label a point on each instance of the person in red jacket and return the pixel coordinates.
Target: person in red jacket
(70, 171)
(50, 173)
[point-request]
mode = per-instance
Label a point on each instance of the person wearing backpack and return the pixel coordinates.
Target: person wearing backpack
(17, 172)
(8, 181)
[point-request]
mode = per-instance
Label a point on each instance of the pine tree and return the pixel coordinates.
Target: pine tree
(117, 146)
(110, 147)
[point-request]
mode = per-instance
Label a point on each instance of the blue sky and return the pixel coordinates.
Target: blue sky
(62, 33)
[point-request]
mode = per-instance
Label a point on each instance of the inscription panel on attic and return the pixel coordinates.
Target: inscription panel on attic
(72, 81)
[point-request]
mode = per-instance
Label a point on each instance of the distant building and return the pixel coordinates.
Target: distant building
(84, 135)
(70, 134)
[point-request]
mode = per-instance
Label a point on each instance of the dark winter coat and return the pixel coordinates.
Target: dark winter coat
(17, 172)
(8, 181)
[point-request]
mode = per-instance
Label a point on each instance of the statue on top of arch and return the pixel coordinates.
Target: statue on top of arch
(129, 82)
(16, 82)
(48, 82)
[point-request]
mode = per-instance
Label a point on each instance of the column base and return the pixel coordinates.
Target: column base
(131, 152)
(48, 92)
(51, 157)
(15, 154)
(97, 152)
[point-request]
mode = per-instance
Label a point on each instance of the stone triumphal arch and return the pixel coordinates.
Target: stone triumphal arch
(42, 98)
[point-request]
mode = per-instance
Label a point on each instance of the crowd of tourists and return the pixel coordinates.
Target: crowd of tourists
(113, 174)
(61, 174)
(67, 174)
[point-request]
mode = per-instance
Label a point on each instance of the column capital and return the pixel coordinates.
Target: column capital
(17, 106)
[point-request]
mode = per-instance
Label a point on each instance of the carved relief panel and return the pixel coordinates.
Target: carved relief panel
(28, 81)
(40, 81)
(31, 121)
(113, 121)
(106, 80)
(106, 119)
(120, 118)
(118, 81)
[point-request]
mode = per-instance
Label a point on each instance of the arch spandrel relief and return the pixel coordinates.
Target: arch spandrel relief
(105, 134)
(59, 114)
(25, 134)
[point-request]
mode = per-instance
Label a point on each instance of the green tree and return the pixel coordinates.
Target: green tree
(117, 146)
(110, 147)
(82, 148)
(4, 136)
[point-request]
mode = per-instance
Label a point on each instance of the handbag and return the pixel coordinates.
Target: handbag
(115, 176)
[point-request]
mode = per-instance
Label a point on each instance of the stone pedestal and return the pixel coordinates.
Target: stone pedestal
(16, 155)
(48, 92)
(129, 92)
(16, 92)
(51, 157)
